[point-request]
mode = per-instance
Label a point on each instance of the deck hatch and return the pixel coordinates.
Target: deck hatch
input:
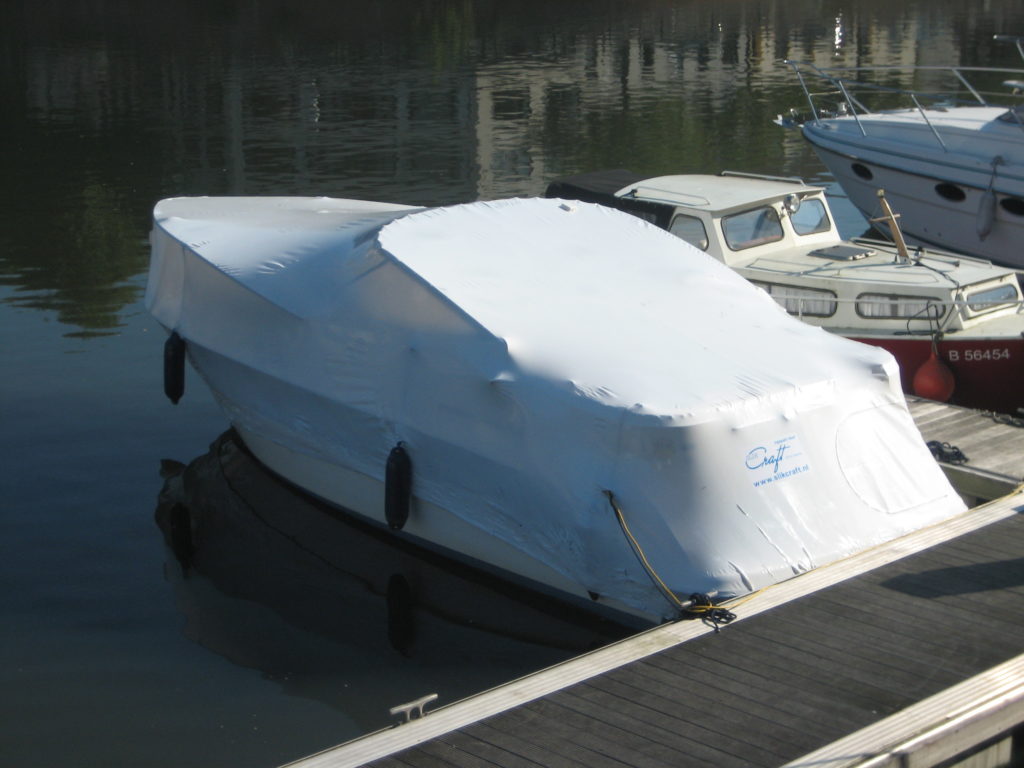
(843, 252)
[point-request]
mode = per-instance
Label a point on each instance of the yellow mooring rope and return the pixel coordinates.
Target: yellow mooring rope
(639, 552)
(697, 605)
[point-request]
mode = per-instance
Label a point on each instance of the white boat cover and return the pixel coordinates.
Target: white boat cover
(532, 353)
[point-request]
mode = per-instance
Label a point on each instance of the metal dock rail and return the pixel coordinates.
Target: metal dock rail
(911, 653)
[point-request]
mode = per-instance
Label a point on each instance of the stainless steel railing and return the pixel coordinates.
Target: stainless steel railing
(854, 94)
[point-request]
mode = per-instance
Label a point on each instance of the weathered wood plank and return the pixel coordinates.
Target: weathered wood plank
(688, 745)
(867, 685)
(555, 728)
(446, 754)
(420, 758)
(674, 716)
(542, 747)
(715, 677)
(890, 660)
(484, 750)
(761, 725)
(762, 687)
(1005, 547)
(612, 731)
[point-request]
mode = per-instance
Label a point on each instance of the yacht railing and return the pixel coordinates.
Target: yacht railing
(849, 90)
(1016, 40)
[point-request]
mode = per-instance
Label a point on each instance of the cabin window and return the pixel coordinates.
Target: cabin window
(862, 171)
(810, 218)
(886, 305)
(990, 299)
(691, 230)
(950, 192)
(802, 302)
(1013, 205)
(751, 228)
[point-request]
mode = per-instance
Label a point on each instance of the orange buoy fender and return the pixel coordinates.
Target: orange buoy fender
(174, 367)
(397, 487)
(934, 380)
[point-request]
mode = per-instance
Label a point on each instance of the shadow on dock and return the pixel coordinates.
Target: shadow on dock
(961, 579)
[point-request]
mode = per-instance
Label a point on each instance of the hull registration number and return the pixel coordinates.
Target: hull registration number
(972, 355)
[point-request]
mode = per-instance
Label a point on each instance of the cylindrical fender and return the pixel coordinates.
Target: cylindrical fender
(986, 213)
(987, 206)
(397, 487)
(174, 367)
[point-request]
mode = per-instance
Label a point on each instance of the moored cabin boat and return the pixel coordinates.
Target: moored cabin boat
(955, 324)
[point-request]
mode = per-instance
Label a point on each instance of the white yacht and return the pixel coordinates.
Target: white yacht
(950, 158)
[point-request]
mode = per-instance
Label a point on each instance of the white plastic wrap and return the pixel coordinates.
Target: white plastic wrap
(531, 354)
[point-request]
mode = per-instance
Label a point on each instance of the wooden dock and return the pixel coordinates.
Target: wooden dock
(993, 446)
(910, 653)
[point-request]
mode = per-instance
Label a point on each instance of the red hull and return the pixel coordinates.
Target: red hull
(988, 373)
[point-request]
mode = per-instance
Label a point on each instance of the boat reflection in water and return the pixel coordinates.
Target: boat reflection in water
(332, 609)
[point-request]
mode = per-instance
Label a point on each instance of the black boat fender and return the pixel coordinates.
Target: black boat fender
(174, 367)
(397, 487)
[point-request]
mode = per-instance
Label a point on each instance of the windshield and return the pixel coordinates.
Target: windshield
(810, 218)
(750, 228)
(691, 230)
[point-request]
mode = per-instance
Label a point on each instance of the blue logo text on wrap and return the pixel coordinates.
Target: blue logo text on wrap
(776, 461)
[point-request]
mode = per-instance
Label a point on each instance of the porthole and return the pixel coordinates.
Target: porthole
(1013, 205)
(950, 192)
(863, 171)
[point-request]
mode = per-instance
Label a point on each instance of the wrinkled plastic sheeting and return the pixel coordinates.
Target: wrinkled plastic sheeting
(533, 353)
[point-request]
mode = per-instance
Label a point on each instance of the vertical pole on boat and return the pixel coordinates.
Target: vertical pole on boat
(890, 219)
(853, 110)
(800, 76)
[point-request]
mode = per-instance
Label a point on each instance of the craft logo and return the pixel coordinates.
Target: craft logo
(776, 461)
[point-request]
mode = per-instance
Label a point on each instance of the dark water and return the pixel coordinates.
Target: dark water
(268, 646)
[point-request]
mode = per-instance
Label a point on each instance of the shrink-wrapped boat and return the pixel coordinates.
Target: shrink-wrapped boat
(559, 392)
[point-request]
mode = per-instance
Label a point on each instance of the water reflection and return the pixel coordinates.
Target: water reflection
(336, 611)
(110, 106)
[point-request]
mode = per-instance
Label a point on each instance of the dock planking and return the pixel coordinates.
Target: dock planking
(788, 679)
(992, 443)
